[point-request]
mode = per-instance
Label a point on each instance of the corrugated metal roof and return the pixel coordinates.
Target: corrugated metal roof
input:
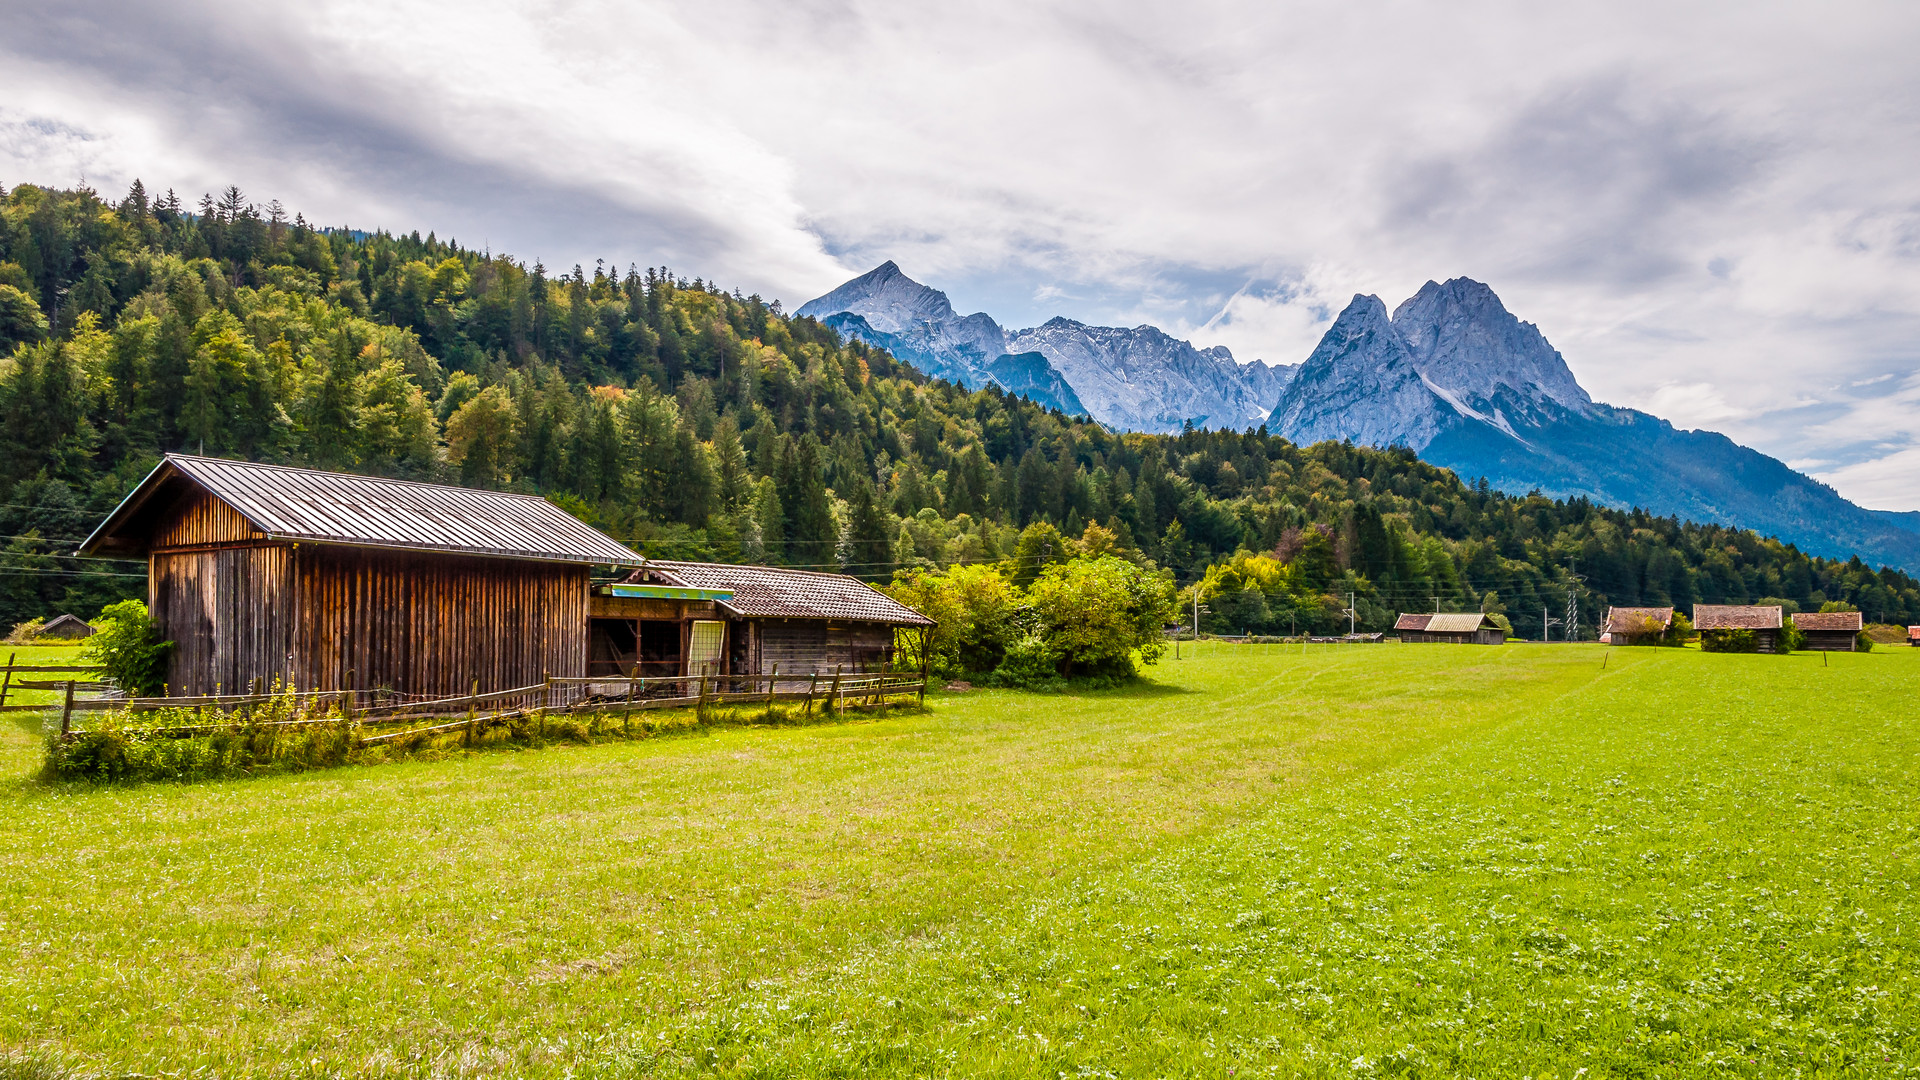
(370, 511)
(772, 592)
(1451, 622)
(1829, 620)
(1636, 620)
(1457, 623)
(1735, 617)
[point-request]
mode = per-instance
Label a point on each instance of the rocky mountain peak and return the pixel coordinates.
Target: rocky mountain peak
(1465, 340)
(888, 299)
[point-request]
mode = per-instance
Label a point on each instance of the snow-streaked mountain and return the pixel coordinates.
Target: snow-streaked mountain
(1457, 378)
(1144, 379)
(1138, 379)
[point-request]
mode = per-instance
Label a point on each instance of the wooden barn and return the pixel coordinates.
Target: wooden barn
(1636, 625)
(1913, 635)
(1830, 631)
(328, 581)
(66, 628)
(685, 618)
(1469, 628)
(1765, 622)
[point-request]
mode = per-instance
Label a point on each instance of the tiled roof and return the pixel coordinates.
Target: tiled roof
(372, 511)
(772, 592)
(1628, 620)
(1412, 622)
(1735, 617)
(1829, 620)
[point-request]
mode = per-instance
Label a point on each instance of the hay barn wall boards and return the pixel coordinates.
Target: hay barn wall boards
(328, 581)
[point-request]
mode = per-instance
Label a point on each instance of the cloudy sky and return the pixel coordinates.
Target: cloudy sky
(1713, 210)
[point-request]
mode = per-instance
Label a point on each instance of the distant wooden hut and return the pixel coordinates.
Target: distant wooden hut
(1913, 636)
(1830, 631)
(66, 628)
(686, 618)
(1765, 622)
(326, 581)
(1636, 625)
(1468, 628)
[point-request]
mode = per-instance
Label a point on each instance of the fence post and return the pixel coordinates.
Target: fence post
(473, 704)
(833, 696)
(773, 683)
(926, 662)
(66, 711)
(813, 683)
(8, 684)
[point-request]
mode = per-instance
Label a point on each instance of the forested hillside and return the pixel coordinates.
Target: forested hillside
(699, 423)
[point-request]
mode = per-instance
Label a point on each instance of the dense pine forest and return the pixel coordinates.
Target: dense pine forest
(699, 423)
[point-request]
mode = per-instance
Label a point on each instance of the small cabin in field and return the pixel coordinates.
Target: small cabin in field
(1765, 622)
(66, 628)
(1913, 635)
(1830, 631)
(686, 618)
(327, 581)
(1636, 625)
(1468, 628)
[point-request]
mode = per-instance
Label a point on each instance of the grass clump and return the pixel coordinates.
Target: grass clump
(280, 736)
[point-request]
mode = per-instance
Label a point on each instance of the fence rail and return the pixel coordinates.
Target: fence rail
(557, 695)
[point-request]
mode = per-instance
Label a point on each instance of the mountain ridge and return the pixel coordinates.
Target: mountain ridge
(1132, 378)
(1494, 399)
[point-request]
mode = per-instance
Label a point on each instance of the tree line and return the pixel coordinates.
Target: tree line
(694, 422)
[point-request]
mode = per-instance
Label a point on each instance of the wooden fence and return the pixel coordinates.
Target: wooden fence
(555, 696)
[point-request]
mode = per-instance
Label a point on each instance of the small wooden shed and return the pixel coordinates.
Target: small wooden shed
(326, 581)
(1913, 635)
(1636, 625)
(685, 618)
(1464, 628)
(1830, 631)
(1765, 622)
(66, 628)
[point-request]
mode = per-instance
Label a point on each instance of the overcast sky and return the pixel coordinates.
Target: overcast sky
(1712, 210)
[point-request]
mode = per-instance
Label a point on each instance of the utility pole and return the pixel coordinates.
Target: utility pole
(1547, 623)
(1351, 615)
(1573, 615)
(1436, 605)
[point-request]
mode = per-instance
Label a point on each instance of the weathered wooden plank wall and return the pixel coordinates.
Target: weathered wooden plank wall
(229, 612)
(803, 646)
(432, 624)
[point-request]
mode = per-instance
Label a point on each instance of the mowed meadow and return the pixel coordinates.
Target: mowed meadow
(1394, 860)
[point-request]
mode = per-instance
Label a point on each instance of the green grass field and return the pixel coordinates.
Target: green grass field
(1272, 860)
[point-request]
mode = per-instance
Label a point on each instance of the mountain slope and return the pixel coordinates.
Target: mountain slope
(1138, 379)
(1494, 399)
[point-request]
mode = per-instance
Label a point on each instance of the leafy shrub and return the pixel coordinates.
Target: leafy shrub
(1095, 614)
(129, 649)
(1030, 664)
(1500, 621)
(1729, 641)
(978, 610)
(23, 633)
(1791, 637)
(1885, 634)
(1679, 631)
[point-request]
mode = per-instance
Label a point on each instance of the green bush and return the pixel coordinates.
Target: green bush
(978, 611)
(1729, 641)
(1096, 614)
(1678, 632)
(129, 649)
